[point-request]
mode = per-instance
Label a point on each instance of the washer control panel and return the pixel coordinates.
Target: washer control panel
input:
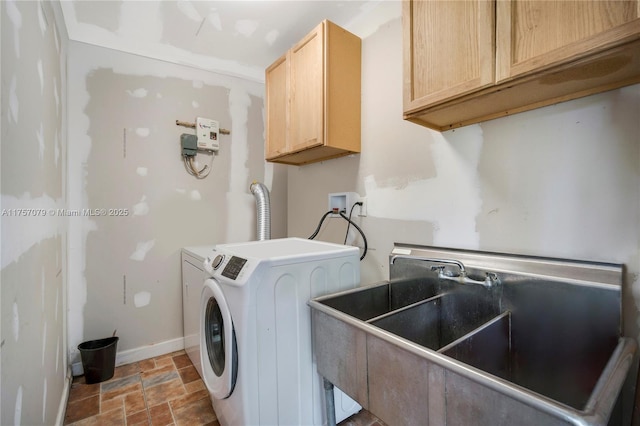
(233, 268)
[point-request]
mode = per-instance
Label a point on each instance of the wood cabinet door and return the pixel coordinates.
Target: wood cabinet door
(277, 99)
(533, 35)
(306, 116)
(449, 50)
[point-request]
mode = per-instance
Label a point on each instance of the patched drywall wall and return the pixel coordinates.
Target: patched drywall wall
(33, 344)
(125, 158)
(561, 181)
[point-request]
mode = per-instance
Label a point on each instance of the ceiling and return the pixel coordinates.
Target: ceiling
(239, 38)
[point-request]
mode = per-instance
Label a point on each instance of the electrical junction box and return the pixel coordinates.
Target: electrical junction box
(189, 145)
(207, 131)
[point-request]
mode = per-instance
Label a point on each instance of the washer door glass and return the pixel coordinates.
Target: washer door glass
(218, 348)
(214, 334)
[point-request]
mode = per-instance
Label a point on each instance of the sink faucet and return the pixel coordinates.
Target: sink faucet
(489, 281)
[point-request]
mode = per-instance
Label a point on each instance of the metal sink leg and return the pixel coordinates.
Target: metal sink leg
(329, 403)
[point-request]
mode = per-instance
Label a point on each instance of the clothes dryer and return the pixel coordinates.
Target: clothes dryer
(256, 346)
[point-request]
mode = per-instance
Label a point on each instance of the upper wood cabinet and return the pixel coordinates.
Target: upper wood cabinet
(277, 88)
(313, 98)
(533, 35)
(448, 49)
(470, 61)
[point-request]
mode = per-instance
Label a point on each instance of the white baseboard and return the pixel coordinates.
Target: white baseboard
(62, 408)
(139, 354)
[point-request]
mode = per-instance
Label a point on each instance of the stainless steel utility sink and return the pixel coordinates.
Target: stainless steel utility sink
(537, 344)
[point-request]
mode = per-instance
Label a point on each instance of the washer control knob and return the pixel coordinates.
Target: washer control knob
(217, 261)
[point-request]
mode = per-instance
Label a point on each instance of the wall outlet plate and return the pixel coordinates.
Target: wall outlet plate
(363, 207)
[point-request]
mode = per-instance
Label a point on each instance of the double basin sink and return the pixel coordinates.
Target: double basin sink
(539, 343)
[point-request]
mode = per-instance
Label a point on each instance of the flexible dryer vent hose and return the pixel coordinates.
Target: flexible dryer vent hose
(263, 207)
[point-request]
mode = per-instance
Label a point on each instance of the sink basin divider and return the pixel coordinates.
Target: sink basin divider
(404, 308)
(474, 332)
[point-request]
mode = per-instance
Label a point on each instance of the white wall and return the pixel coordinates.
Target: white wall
(124, 153)
(561, 181)
(33, 349)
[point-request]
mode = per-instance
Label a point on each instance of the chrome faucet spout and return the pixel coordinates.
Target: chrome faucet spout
(490, 280)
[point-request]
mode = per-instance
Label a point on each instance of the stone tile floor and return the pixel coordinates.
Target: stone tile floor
(165, 390)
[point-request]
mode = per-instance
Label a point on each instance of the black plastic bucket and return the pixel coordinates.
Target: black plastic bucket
(98, 359)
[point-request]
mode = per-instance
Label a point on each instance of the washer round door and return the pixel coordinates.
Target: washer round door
(218, 349)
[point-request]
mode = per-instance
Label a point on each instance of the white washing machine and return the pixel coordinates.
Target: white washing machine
(193, 276)
(256, 350)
